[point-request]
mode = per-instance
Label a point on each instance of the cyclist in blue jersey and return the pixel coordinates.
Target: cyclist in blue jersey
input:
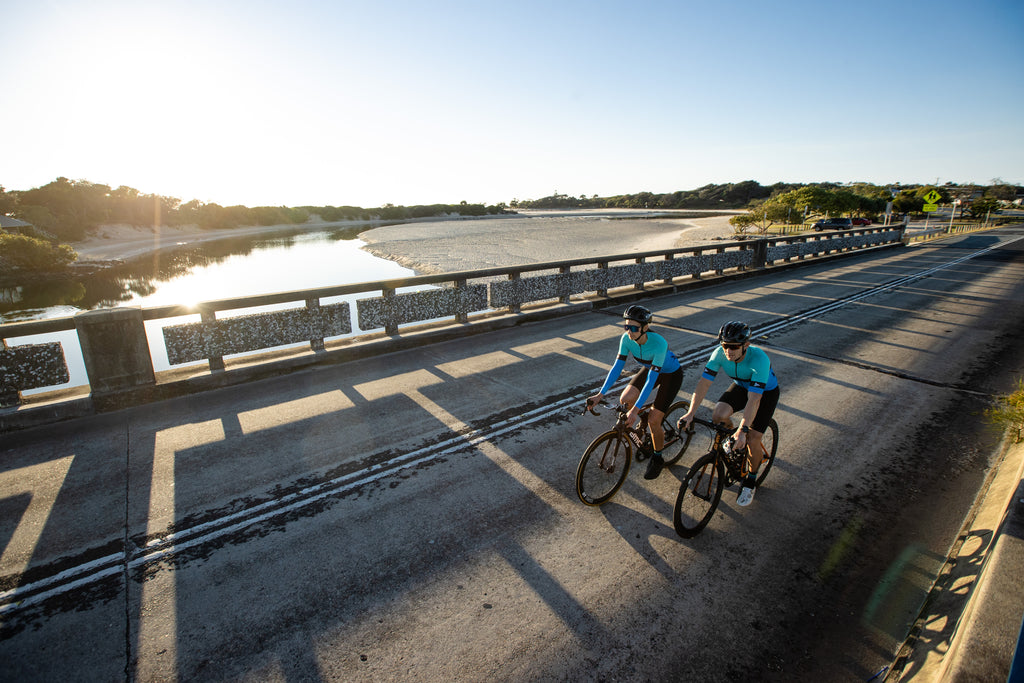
(755, 391)
(661, 369)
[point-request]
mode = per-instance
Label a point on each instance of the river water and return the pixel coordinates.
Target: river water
(219, 270)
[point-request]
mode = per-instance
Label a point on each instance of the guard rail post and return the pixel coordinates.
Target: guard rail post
(9, 394)
(115, 350)
(760, 254)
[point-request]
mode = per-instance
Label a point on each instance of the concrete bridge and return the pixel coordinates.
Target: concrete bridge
(396, 509)
(118, 353)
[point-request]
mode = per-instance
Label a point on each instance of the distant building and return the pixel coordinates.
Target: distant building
(12, 224)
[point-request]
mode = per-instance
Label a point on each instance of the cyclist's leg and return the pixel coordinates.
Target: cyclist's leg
(632, 390)
(734, 399)
(765, 411)
(668, 385)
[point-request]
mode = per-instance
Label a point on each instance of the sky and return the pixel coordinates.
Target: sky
(370, 102)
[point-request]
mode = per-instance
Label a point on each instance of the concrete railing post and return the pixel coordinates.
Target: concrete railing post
(115, 350)
(760, 254)
(9, 394)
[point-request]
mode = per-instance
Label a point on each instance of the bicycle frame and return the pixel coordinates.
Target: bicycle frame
(734, 461)
(701, 489)
(606, 461)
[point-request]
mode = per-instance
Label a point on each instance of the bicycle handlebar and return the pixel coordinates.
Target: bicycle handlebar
(587, 408)
(717, 426)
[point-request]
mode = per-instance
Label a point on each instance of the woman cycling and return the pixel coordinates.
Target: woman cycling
(661, 369)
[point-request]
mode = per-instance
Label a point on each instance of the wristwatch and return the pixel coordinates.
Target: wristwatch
(744, 429)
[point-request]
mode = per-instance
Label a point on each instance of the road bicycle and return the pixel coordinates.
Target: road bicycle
(721, 467)
(605, 463)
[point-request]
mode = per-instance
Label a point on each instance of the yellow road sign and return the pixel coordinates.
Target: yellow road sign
(928, 208)
(932, 197)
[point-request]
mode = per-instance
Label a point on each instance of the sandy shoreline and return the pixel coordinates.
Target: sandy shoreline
(450, 245)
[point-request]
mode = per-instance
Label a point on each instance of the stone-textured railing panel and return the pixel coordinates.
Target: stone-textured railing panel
(691, 265)
(782, 252)
(216, 338)
(630, 275)
(399, 309)
(538, 288)
(32, 366)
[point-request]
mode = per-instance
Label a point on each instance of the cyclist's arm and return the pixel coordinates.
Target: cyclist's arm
(750, 410)
(613, 374)
(701, 390)
(648, 388)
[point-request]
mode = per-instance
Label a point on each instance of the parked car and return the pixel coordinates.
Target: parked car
(833, 224)
(861, 221)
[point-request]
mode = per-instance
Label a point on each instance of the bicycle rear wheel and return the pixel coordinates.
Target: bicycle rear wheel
(699, 496)
(770, 442)
(676, 411)
(602, 469)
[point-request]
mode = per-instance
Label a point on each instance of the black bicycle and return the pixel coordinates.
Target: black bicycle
(605, 463)
(721, 467)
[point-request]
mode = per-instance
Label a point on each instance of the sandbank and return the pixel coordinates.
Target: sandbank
(449, 245)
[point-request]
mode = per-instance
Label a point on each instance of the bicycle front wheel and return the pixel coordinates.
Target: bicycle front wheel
(770, 443)
(603, 468)
(699, 496)
(674, 449)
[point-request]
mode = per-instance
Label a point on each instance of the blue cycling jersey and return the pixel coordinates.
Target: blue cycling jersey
(653, 355)
(753, 372)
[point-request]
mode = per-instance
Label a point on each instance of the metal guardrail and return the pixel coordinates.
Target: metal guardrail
(116, 350)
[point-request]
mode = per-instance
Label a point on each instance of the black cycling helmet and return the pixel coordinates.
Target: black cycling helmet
(734, 332)
(639, 314)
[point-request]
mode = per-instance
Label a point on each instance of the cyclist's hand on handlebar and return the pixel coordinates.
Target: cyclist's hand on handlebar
(592, 402)
(631, 416)
(686, 420)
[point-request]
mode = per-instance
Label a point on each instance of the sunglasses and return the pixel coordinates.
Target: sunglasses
(732, 347)
(631, 328)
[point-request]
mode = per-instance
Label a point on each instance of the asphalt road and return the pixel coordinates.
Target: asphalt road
(413, 517)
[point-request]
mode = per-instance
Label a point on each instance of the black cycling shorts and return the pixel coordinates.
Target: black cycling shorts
(667, 386)
(736, 397)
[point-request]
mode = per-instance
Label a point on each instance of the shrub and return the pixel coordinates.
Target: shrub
(20, 252)
(1008, 413)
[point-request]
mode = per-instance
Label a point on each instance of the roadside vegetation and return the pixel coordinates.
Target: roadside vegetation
(1008, 413)
(863, 200)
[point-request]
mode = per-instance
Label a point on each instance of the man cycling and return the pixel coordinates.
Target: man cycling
(661, 369)
(755, 391)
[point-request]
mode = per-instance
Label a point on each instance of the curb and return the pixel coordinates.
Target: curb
(970, 624)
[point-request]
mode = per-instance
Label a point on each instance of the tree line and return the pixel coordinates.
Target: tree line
(731, 196)
(821, 198)
(71, 209)
(869, 201)
(66, 211)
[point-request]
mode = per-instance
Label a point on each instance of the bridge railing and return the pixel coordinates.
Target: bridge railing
(117, 351)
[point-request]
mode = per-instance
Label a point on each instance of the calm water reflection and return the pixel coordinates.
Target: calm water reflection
(228, 268)
(220, 270)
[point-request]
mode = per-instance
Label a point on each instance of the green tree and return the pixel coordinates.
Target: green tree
(76, 207)
(980, 208)
(8, 202)
(23, 253)
(1002, 190)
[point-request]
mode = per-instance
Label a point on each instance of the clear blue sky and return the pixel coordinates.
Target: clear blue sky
(363, 103)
